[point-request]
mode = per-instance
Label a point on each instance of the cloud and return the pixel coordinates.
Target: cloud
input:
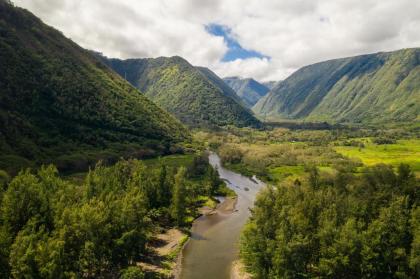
(292, 33)
(235, 50)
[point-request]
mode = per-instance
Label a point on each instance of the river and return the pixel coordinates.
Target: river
(213, 245)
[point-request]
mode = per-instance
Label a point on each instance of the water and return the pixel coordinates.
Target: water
(214, 241)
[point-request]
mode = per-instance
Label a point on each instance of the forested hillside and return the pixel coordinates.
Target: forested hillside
(194, 95)
(369, 88)
(248, 89)
(60, 104)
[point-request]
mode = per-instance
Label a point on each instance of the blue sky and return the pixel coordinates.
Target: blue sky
(235, 50)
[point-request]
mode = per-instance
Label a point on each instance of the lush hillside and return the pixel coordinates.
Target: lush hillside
(195, 95)
(369, 88)
(59, 103)
(248, 89)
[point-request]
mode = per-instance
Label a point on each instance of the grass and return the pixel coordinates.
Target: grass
(280, 173)
(404, 151)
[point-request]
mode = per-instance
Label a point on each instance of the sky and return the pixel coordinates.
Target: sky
(262, 39)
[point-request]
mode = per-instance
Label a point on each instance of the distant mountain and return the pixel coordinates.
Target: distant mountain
(368, 88)
(270, 84)
(248, 89)
(194, 95)
(60, 104)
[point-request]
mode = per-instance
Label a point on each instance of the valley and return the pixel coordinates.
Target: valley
(215, 166)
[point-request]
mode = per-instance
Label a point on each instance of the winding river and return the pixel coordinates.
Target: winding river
(214, 241)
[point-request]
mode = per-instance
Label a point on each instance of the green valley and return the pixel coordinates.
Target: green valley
(194, 95)
(181, 163)
(334, 197)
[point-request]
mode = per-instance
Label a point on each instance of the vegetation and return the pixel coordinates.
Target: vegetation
(405, 151)
(373, 88)
(338, 226)
(279, 153)
(54, 228)
(342, 202)
(327, 213)
(194, 95)
(60, 104)
(248, 89)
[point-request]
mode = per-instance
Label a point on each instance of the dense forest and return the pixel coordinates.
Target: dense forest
(98, 227)
(338, 226)
(60, 104)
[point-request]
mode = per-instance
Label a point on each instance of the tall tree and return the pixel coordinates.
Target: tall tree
(178, 197)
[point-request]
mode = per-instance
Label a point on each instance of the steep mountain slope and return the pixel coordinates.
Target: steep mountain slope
(270, 84)
(248, 89)
(369, 88)
(195, 95)
(219, 82)
(59, 103)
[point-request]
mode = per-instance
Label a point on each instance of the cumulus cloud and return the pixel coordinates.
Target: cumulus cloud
(292, 33)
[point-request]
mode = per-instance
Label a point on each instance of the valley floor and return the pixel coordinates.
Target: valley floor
(333, 192)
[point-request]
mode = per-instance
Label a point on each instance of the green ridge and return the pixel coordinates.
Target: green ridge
(369, 88)
(60, 104)
(195, 95)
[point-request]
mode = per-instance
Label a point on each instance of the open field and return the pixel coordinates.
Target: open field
(404, 151)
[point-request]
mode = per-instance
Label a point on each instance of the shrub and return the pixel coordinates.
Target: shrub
(132, 272)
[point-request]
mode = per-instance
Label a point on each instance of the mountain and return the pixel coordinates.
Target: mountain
(60, 104)
(194, 95)
(248, 89)
(270, 84)
(219, 82)
(368, 88)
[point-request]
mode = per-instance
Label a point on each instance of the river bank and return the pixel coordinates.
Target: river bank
(226, 206)
(238, 271)
(213, 245)
(166, 246)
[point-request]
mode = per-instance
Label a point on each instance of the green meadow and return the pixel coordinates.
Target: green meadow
(283, 172)
(404, 151)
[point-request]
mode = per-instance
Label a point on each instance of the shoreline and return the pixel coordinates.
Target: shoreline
(227, 206)
(238, 271)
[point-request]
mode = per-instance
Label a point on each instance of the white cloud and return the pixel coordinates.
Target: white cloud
(293, 33)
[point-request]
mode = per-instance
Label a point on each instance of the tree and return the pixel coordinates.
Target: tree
(178, 197)
(132, 272)
(25, 198)
(415, 246)
(213, 180)
(24, 251)
(313, 177)
(164, 189)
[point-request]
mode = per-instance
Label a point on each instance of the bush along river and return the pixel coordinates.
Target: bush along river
(213, 245)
